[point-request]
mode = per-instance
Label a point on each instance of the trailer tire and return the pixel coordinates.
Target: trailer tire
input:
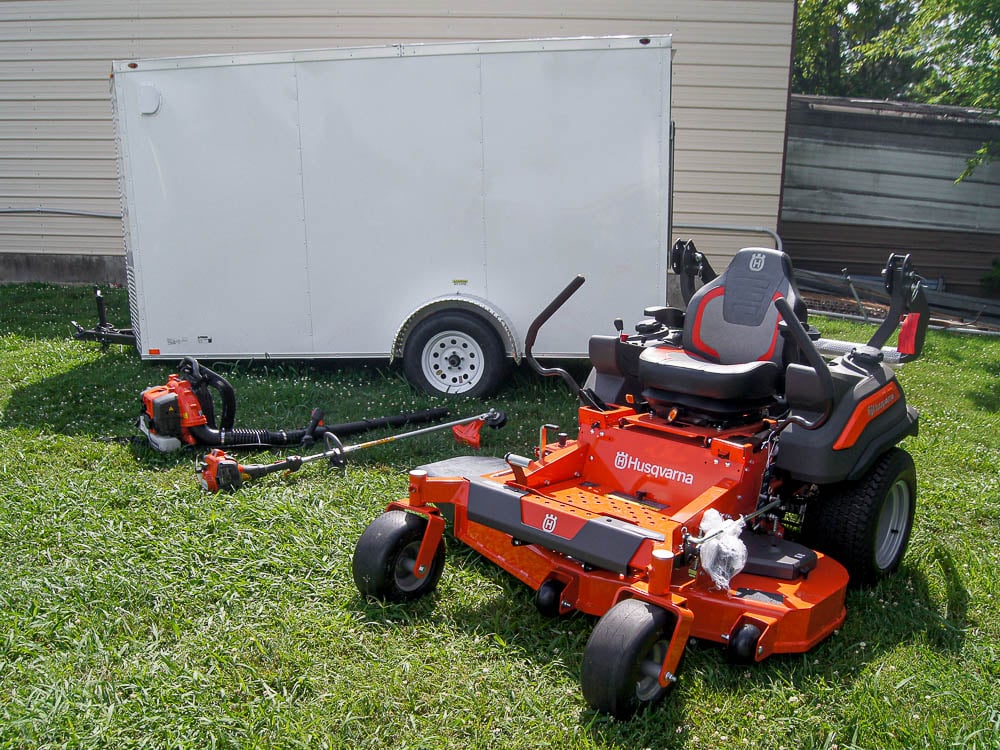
(385, 556)
(622, 659)
(455, 353)
(865, 525)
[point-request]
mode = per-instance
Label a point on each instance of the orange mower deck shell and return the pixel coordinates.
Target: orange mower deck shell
(647, 483)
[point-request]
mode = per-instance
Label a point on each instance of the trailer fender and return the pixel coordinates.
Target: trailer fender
(482, 308)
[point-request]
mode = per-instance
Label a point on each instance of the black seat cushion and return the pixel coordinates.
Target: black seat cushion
(676, 371)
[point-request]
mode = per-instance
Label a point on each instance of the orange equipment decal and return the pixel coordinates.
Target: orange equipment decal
(866, 412)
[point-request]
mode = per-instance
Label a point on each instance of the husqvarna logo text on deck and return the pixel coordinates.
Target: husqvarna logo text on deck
(549, 524)
(624, 461)
(757, 262)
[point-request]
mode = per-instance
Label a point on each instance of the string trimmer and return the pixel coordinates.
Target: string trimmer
(220, 471)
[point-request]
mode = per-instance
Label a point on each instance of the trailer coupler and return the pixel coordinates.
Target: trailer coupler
(103, 332)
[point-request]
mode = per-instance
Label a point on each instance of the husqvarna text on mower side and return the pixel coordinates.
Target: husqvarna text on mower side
(700, 438)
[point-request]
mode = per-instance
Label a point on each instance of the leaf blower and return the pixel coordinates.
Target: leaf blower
(182, 412)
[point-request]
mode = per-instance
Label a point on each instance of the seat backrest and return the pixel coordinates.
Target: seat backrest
(732, 319)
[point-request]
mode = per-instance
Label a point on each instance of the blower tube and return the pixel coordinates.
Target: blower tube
(248, 437)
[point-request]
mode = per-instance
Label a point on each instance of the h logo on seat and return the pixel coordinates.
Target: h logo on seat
(757, 262)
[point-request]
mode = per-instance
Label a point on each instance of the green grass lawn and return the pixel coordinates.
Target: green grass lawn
(138, 610)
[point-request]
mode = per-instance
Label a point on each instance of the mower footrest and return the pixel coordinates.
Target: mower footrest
(606, 543)
(777, 558)
(465, 466)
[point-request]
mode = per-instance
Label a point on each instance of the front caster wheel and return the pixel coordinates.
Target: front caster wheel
(623, 658)
(548, 598)
(385, 558)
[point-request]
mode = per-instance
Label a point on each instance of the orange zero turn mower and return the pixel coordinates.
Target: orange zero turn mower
(727, 482)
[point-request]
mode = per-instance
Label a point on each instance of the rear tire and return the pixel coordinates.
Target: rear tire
(865, 525)
(454, 353)
(386, 554)
(622, 660)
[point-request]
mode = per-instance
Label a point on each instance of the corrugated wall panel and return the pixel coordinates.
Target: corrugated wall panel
(864, 179)
(43, 130)
(56, 142)
(960, 259)
(14, 148)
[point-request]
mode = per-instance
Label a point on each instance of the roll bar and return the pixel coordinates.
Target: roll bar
(529, 342)
(801, 338)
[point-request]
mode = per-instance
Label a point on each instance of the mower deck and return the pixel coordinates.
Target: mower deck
(607, 517)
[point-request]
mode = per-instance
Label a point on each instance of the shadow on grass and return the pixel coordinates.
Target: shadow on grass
(988, 397)
(96, 399)
(45, 310)
(103, 397)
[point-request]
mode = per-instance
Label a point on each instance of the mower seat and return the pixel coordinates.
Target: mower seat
(731, 357)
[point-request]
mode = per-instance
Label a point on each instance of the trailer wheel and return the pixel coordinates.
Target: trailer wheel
(622, 659)
(454, 352)
(386, 554)
(865, 525)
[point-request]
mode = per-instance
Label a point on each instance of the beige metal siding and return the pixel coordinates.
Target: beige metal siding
(731, 69)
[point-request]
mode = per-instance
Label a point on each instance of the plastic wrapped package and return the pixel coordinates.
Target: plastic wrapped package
(723, 554)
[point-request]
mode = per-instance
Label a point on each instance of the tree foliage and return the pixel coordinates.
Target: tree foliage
(933, 51)
(832, 57)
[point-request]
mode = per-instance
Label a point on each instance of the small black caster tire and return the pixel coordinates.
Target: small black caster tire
(548, 598)
(742, 645)
(622, 659)
(386, 555)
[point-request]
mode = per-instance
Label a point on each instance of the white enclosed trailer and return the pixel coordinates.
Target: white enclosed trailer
(421, 201)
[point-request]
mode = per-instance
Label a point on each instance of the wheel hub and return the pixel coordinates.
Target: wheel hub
(452, 361)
